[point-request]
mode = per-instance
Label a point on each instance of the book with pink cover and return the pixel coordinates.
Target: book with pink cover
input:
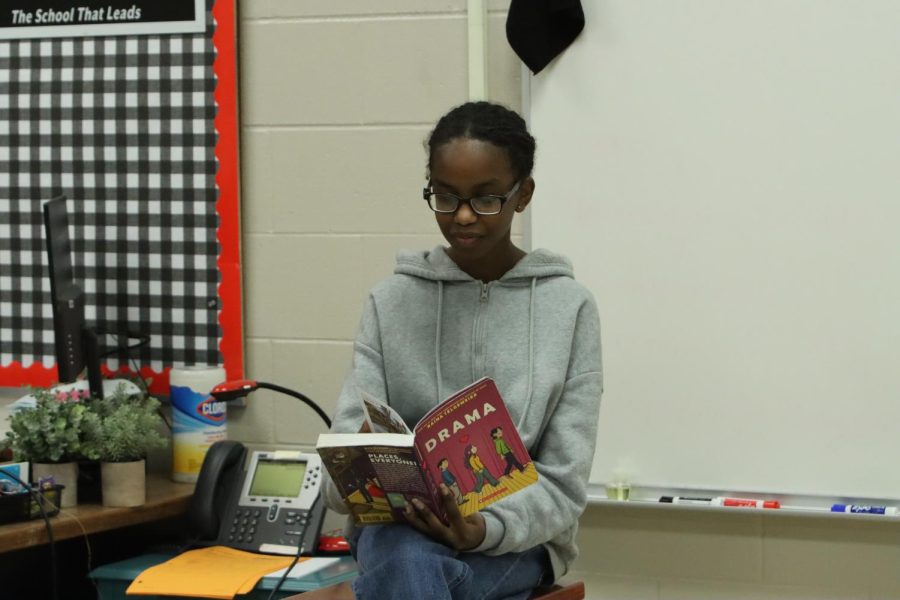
(467, 442)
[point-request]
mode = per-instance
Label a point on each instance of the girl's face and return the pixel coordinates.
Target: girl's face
(479, 244)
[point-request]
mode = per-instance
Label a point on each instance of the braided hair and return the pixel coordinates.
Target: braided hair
(487, 122)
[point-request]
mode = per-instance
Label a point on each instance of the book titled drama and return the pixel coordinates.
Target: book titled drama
(468, 442)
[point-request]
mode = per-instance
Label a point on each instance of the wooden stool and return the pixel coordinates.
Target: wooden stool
(572, 591)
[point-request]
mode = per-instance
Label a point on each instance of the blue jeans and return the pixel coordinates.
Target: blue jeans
(396, 562)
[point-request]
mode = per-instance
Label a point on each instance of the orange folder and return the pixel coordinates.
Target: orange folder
(216, 572)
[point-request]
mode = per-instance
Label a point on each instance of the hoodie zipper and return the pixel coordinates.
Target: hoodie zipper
(478, 353)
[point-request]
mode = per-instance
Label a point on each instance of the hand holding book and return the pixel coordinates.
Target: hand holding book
(460, 533)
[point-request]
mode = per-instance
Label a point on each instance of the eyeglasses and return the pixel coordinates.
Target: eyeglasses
(489, 204)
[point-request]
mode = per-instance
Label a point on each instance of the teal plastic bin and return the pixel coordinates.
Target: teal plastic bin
(113, 579)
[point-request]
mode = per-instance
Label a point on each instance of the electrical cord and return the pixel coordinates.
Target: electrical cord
(120, 349)
(284, 575)
(124, 349)
(296, 556)
(137, 375)
(39, 499)
(143, 385)
(124, 352)
(87, 545)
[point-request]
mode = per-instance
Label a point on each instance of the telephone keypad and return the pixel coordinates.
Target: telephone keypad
(243, 526)
(246, 522)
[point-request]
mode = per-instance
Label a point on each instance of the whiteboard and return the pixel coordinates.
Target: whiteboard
(725, 177)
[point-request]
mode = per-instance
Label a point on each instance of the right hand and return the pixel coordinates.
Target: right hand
(462, 533)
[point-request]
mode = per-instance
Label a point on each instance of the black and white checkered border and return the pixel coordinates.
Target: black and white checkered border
(122, 126)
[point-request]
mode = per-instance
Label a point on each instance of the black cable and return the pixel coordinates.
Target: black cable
(137, 373)
(189, 544)
(284, 575)
(54, 582)
(164, 419)
(299, 396)
(146, 390)
(143, 340)
(299, 550)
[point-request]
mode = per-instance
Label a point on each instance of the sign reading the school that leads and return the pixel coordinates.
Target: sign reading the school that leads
(81, 18)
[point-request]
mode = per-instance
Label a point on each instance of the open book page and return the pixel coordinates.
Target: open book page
(381, 417)
(470, 443)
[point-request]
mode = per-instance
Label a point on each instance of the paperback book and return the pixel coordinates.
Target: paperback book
(468, 442)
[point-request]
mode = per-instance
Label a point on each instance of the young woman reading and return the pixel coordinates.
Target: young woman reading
(478, 307)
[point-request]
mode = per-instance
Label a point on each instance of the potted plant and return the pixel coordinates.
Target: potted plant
(128, 429)
(52, 435)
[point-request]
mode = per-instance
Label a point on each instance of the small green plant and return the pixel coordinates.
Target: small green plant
(129, 427)
(57, 429)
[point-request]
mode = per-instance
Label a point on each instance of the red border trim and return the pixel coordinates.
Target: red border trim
(15, 375)
(227, 207)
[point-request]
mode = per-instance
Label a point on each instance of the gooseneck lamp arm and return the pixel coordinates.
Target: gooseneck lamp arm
(232, 390)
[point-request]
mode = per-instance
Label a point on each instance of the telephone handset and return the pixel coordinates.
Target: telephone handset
(273, 506)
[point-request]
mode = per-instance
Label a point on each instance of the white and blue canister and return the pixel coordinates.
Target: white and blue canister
(198, 419)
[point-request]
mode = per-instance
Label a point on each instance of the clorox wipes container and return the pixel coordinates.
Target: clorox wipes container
(198, 419)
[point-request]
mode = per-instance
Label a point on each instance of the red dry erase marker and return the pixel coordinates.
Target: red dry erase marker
(746, 502)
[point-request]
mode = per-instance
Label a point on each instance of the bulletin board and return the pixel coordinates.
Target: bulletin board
(724, 178)
(139, 131)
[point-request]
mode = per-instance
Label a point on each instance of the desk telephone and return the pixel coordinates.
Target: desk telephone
(273, 506)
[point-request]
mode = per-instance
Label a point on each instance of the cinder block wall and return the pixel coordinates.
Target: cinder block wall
(336, 100)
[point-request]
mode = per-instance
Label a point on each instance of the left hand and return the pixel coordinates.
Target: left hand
(462, 533)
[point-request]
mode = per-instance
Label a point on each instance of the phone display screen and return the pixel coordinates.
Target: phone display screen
(278, 478)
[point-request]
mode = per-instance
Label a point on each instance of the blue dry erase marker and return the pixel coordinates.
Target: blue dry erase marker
(890, 511)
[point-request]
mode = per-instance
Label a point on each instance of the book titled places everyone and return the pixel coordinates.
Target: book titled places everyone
(467, 442)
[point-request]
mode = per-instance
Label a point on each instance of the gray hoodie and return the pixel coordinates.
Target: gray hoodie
(431, 329)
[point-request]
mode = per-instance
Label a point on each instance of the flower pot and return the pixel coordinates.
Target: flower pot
(124, 483)
(63, 473)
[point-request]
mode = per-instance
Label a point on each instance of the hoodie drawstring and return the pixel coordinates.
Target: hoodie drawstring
(437, 340)
(529, 394)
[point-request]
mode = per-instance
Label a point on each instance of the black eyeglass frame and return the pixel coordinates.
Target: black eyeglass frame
(427, 192)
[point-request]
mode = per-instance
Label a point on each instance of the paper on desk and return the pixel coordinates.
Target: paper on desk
(303, 569)
(216, 572)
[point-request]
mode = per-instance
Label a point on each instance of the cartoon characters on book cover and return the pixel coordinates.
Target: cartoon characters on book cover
(470, 444)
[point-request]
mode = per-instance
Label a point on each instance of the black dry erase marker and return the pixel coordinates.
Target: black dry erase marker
(684, 500)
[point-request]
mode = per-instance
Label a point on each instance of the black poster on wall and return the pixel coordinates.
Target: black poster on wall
(65, 18)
